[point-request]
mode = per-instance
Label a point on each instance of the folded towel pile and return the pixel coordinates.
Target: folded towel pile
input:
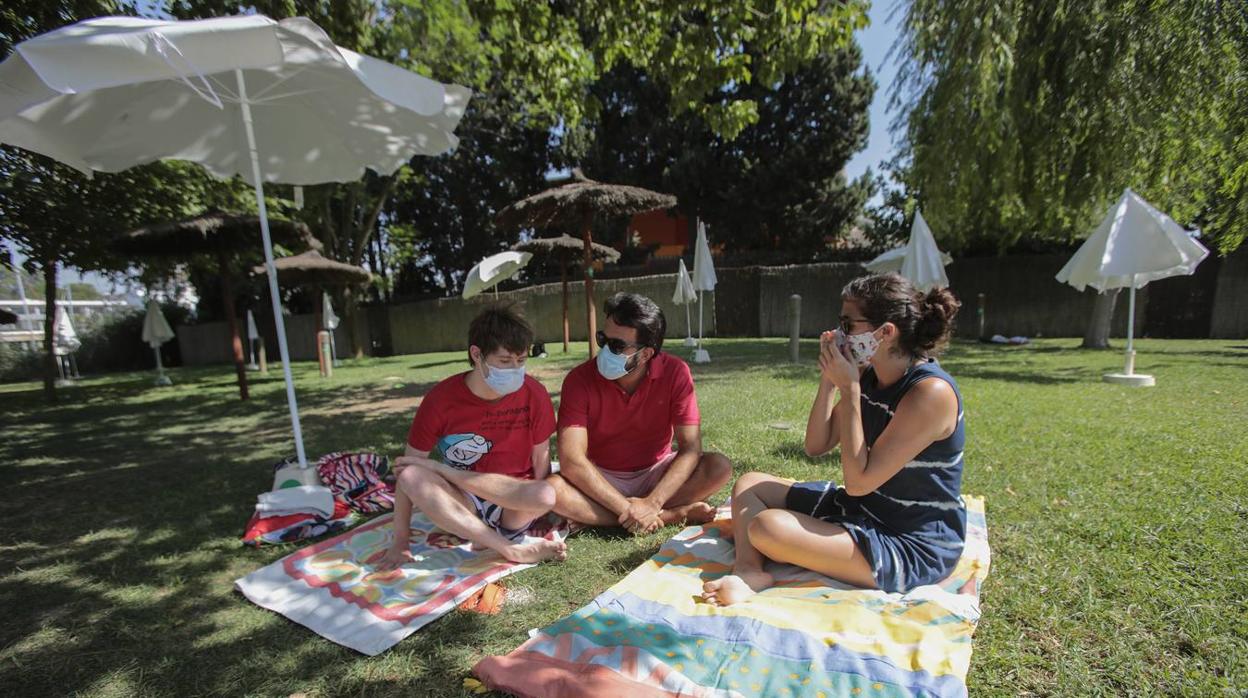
(306, 499)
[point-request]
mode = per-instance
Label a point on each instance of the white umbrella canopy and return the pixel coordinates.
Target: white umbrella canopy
(685, 295)
(110, 93)
(494, 270)
(704, 279)
(156, 331)
(270, 101)
(1134, 244)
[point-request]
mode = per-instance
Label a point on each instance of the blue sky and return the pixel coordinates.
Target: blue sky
(876, 40)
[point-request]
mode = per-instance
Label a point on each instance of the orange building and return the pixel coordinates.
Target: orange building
(670, 233)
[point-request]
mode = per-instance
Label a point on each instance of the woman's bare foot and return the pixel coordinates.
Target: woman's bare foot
(696, 513)
(537, 551)
(735, 588)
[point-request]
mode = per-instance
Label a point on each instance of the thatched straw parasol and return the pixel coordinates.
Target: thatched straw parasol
(573, 205)
(220, 235)
(311, 269)
(562, 248)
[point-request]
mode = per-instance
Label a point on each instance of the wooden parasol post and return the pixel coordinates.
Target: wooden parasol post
(231, 321)
(591, 319)
(563, 277)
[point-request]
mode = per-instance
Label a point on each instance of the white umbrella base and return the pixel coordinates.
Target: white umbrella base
(1135, 380)
(162, 379)
(701, 356)
(691, 342)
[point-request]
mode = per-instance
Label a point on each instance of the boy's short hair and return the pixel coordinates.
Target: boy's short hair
(501, 325)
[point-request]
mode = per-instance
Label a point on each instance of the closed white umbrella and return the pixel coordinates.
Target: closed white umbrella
(252, 335)
(330, 322)
(270, 101)
(704, 279)
(892, 259)
(156, 331)
(494, 270)
(922, 262)
(1134, 244)
(64, 339)
(685, 295)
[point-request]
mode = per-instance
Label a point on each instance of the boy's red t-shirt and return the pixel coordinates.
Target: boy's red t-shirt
(461, 430)
(629, 432)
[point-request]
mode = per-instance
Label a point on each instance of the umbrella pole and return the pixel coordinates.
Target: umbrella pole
(591, 322)
(231, 321)
(274, 295)
(688, 322)
(1130, 366)
(563, 277)
(699, 319)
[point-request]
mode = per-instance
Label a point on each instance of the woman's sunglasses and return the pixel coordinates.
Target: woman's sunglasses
(617, 346)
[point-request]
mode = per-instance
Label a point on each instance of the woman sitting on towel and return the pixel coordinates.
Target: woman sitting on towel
(897, 521)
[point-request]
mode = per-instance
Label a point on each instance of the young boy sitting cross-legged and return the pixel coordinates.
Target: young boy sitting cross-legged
(478, 450)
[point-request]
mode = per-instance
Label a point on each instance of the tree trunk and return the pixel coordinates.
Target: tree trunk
(563, 277)
(1097, 336)
(591, 320)
(231, 322)
(49, 321)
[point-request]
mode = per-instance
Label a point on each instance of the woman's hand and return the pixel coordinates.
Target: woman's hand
(835, 365)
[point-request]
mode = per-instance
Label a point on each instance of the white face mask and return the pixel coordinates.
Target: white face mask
(861, 346)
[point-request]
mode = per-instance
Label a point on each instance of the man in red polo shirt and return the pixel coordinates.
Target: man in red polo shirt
(617, 417)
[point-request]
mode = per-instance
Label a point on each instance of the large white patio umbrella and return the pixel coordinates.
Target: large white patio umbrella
(329, 323)
(685, 295)
(494, 270)
(704, 279)
(1133, 245)
(270, 101)
(156, 331)
(919, 260)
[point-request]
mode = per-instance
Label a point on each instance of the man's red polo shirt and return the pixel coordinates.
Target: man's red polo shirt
(629, 432)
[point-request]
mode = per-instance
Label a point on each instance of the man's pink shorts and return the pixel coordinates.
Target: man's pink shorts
(638, 483)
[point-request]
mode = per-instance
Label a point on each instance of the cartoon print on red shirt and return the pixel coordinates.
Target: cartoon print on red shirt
(461, 450)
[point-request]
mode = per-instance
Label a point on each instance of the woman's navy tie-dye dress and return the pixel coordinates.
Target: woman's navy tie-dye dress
(912, 529)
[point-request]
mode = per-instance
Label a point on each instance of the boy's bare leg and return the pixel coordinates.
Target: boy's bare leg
(448, 507)
(575, 505)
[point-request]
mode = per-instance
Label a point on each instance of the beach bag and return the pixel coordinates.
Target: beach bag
(362, 480)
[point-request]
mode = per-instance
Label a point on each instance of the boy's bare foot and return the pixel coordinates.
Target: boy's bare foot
(735, 588)
(696, 513)
(537, 551)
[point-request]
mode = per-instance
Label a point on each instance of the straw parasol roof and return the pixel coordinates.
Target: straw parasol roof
(219, 234)
(212, 232)
(573, 205)
(311, 269)
(566, 244)
(566, 204)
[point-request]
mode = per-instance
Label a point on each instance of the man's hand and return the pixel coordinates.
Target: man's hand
(641, 516)
(394, 557)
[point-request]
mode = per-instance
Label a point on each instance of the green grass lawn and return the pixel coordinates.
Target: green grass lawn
(1117, 519)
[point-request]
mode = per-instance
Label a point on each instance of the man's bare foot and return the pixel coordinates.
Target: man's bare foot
(735, 588)
(536, 551)
(696, 513)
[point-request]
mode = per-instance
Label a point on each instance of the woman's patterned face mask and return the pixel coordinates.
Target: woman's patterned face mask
(861, 346)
